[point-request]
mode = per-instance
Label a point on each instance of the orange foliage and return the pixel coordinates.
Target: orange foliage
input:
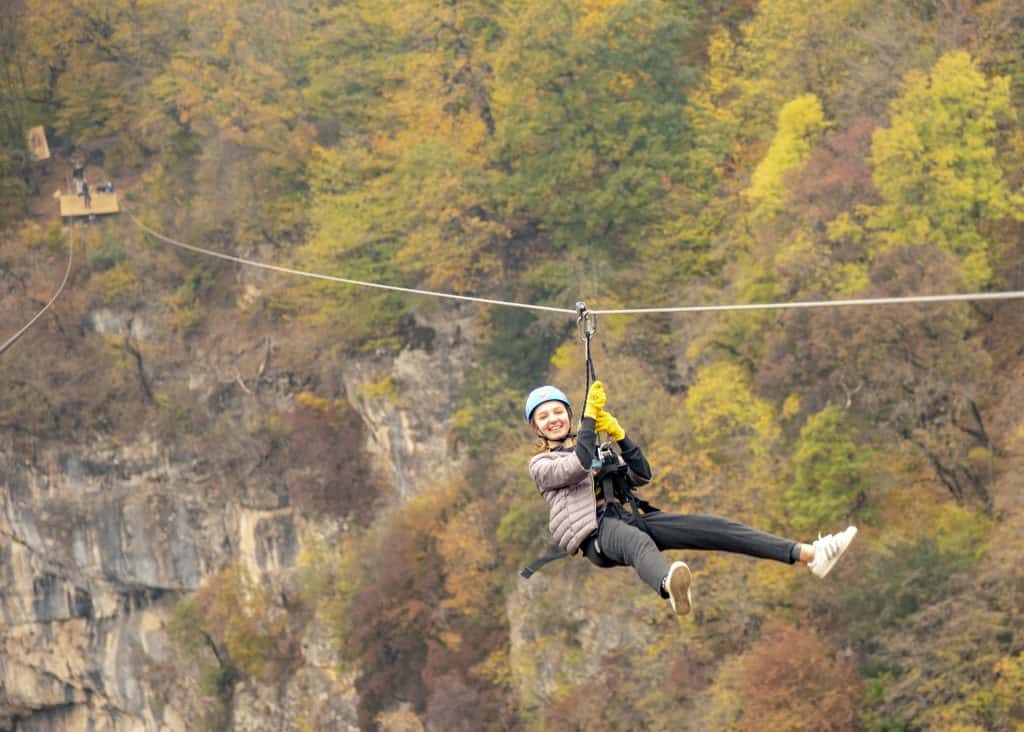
(792, 680)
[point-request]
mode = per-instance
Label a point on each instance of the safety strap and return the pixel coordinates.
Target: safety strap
(554, 552)
(586, 322)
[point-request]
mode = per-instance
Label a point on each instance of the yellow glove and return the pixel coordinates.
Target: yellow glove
(610, 426)
(596, 399)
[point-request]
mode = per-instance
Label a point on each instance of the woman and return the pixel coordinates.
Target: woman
(585, 487)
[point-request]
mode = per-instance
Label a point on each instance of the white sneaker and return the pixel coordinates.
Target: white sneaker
(678, 586)
(828, 549)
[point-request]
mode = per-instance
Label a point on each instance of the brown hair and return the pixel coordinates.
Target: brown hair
(541, 444)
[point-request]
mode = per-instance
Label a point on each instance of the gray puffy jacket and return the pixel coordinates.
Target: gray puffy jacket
(568, 488)
(566, 481)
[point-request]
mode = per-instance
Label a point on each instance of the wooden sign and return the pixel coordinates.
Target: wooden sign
(37, 147)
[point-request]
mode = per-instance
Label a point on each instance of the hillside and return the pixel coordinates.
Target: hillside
(233, 498)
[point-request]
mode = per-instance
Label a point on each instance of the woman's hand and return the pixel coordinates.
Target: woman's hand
(609, 425)
(596, 399)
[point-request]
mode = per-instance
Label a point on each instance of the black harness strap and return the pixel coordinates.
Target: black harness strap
(586, 322)
(553, 553)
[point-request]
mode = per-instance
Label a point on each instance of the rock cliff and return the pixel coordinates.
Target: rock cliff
(101, 537)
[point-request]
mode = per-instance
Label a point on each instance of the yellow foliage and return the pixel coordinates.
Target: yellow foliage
(566, 355)
(382, 389)
(237, 613)
(595, 16)
(773, 583)
(313, 402)
(801, 122)
(399, 721)
(791, 406)
(844, 227)
(723, 408)
(936, 168)
(958, 528)
(116, 282)
(777, 56)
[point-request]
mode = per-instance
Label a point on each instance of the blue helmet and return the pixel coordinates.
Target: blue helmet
(545, 394)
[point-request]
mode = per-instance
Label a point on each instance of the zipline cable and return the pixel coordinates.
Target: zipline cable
(67, 273)
(344, 280)
(906, 300)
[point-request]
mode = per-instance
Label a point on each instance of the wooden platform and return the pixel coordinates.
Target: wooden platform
(72, 206)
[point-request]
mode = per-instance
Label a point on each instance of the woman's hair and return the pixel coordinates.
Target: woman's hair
(541, 445)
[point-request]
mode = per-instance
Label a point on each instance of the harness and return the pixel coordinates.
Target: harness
(611, 480)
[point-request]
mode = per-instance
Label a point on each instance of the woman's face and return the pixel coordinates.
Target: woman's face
(552, 419)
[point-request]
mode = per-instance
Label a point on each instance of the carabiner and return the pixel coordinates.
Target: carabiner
(586, 321)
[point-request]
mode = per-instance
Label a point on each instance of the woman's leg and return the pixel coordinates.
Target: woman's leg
(628, 545)
(686, 531)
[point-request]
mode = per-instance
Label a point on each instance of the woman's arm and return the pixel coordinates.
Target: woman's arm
(586, 442)
(553, 470)
(639, 469)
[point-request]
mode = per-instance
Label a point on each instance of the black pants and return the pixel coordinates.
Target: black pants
(623, 539)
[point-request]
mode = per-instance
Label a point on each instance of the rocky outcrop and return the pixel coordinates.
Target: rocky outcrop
(100, 540)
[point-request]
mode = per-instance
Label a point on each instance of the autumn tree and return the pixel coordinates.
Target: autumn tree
(936, 166)
(229, 99)
(791, 679)
(589, 107)
(830, 471)
(913, 372)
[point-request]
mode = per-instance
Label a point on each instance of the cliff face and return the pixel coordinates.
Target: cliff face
(100, 538)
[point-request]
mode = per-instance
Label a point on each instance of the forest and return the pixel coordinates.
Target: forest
(626, 153)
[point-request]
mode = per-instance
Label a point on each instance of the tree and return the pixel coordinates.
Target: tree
(726, 413)
(229, 101)
(792, 680)
(801, 122)
(829, 471)
(912, 372)
(408, 195)
(590, 120)
(936, 166)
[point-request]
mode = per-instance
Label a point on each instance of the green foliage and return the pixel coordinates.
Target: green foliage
(483, 411)
(830, 471)
(343, 221)
(521, 524)
(187, 310)
(185, 627)
(589, 104)
(116, 283)
(13, 191)
(509, 367)
(108, 253)
(905, 574)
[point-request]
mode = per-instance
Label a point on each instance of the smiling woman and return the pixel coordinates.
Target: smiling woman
(586, 487)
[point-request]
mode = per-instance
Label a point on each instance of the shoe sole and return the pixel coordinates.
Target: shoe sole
(679, 588)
